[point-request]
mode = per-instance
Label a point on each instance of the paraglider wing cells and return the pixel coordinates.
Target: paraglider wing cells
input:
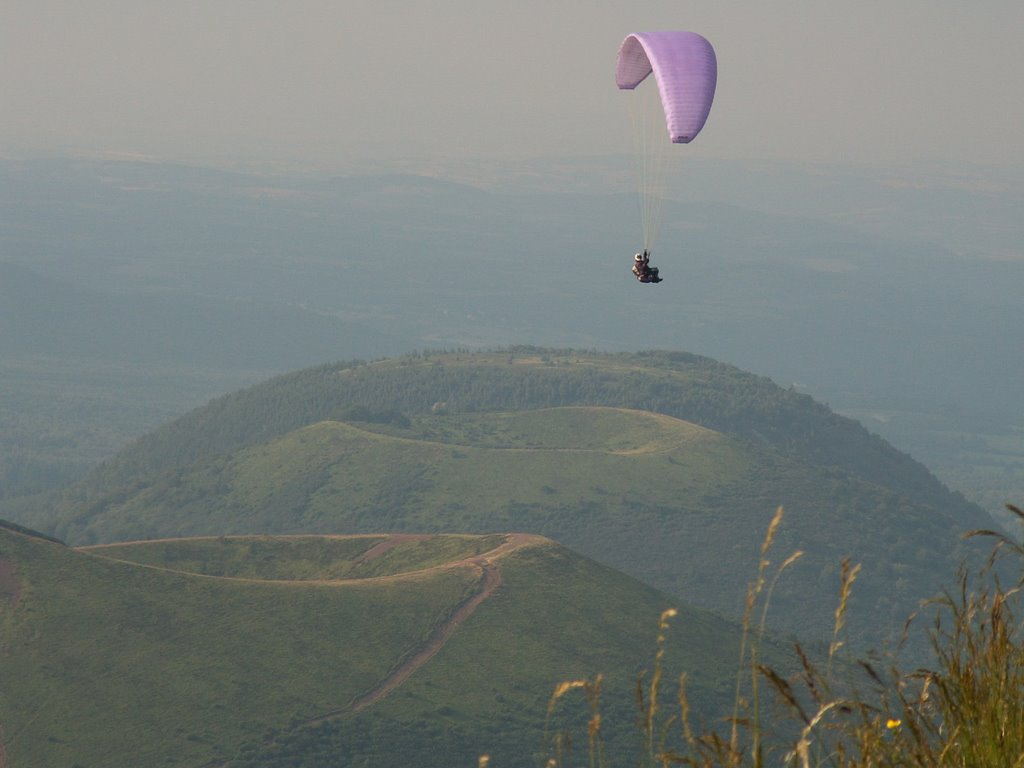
(685, 69)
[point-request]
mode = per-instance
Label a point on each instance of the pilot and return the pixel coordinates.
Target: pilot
(644, 272)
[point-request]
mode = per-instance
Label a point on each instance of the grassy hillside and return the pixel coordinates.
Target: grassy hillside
(688, 387)
(670, 473)
(138, 654)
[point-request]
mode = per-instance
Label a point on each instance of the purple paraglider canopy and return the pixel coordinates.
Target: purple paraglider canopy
(685, 69)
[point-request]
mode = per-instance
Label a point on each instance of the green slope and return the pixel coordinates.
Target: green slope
(481, 694)
(688, 387)
(666, 466)
(676, 505)
(334, 475)
(136, 655)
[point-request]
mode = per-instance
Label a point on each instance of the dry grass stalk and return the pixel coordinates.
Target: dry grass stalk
(966, 711)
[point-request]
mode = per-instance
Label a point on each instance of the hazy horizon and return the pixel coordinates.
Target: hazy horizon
(322, 84)
(774, 249)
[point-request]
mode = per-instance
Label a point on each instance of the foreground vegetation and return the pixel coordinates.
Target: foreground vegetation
(963, 709)
(249, 652)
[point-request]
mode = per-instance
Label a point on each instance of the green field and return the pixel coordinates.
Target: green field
(139, 654)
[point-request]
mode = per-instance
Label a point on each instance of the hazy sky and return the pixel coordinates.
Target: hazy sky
(328, 83)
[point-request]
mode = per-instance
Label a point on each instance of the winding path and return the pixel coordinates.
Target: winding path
(490, 580)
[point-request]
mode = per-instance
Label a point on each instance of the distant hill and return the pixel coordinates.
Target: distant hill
(667, 466)
(41, 316)
(393, 650)
(896, 303)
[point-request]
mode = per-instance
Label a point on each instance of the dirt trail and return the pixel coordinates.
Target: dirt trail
(512, 541)
(490, 580)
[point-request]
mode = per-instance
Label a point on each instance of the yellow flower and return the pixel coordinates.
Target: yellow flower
(891, 723)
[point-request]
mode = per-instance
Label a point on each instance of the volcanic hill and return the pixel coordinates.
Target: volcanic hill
(667, 466)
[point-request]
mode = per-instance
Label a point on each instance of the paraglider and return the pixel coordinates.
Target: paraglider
(643, 270)
(686, 71)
